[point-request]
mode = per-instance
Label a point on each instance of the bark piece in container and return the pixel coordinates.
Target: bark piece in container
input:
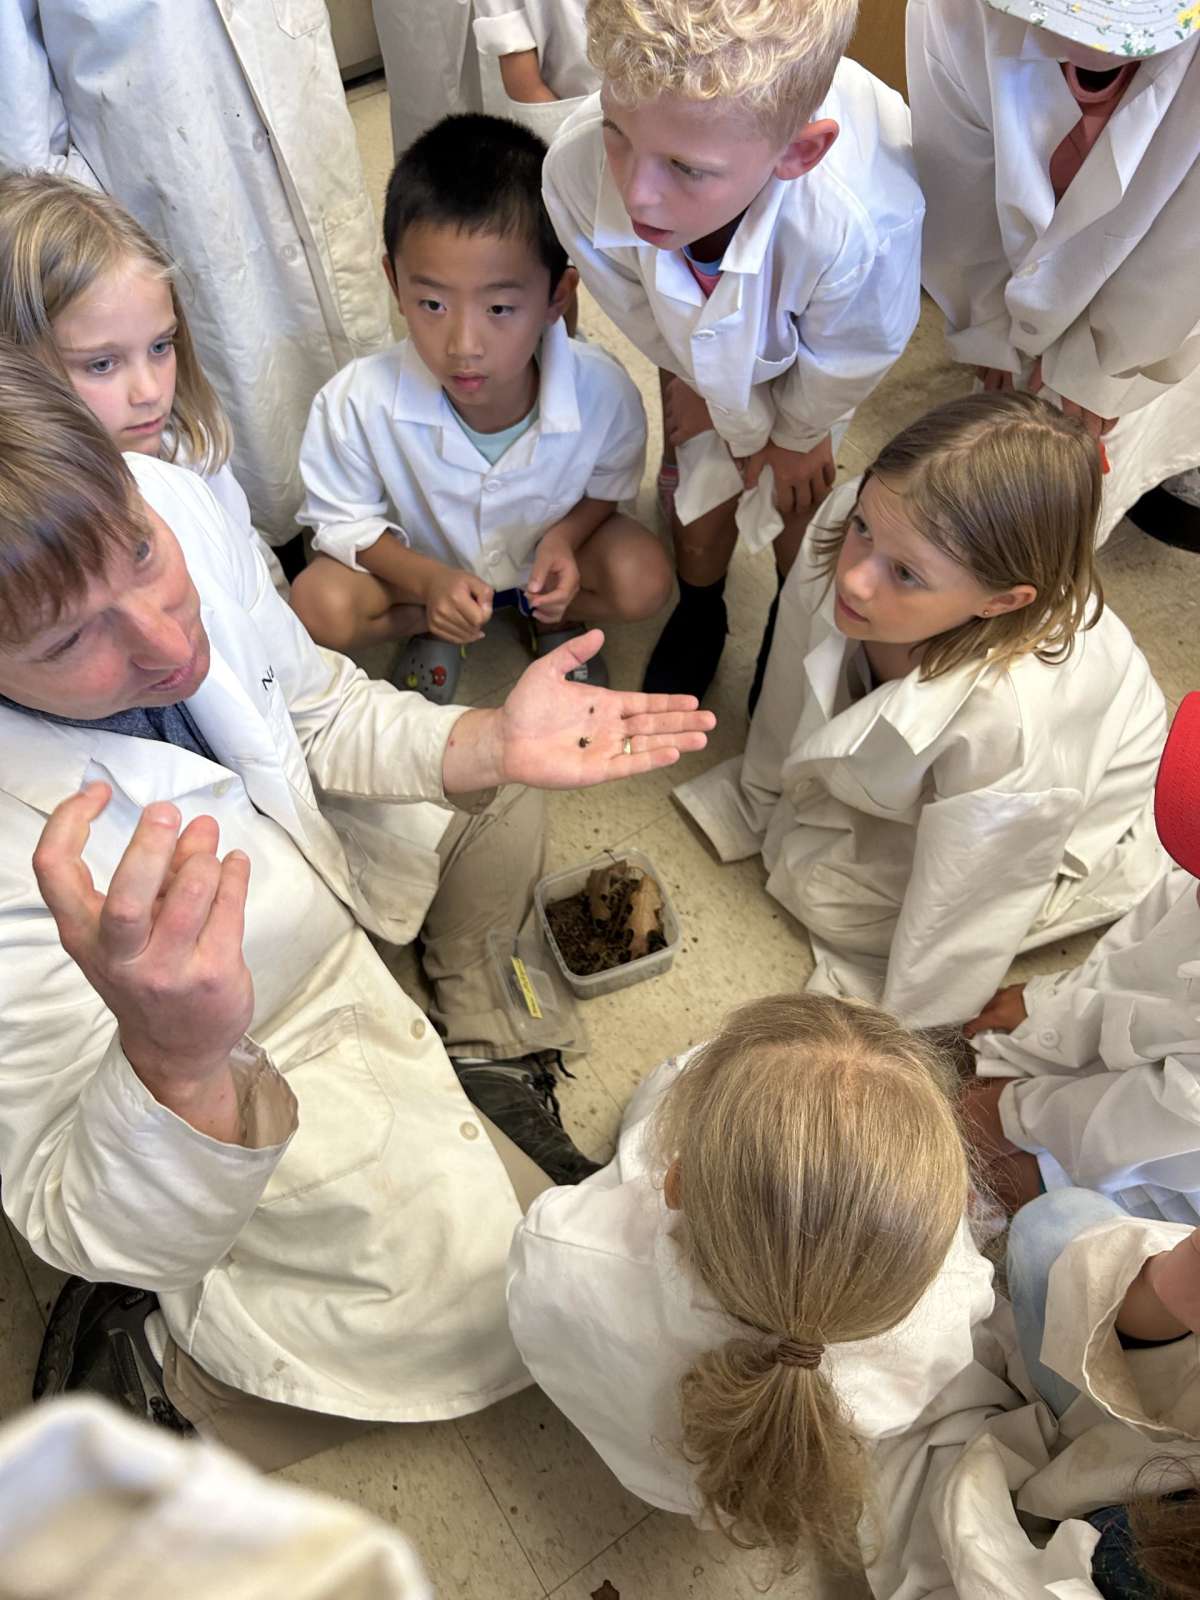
(614, 919)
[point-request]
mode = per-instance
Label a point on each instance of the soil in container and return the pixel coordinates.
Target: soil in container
(615, 918)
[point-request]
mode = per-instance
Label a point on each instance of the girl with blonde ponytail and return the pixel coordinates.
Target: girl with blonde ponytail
(771, 1278)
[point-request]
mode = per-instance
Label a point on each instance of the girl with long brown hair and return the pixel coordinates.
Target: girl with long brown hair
(954, 752)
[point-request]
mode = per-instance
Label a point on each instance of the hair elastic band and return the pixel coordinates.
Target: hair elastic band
(794, 1353)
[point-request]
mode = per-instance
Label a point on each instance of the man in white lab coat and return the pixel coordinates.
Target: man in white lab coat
(210, 1085)
(1076, 275)
(224, 130)
(1094, 1073)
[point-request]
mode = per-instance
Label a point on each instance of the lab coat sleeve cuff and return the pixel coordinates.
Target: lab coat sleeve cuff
(1043, 987)
(147, 1187)
(793, 434)
(985, 344)
(504, 35)
(343, 540)
(615, 483)
(1009, 1110)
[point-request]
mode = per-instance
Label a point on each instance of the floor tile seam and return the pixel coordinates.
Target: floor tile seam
(615, 842)
(559, 1587)
(507, 1520)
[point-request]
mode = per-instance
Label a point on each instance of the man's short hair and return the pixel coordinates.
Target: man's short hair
(478, 174)
(68, 503)
(773, 58)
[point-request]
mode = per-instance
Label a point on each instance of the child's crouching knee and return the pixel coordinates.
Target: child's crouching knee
(326, 604)
(639, 576)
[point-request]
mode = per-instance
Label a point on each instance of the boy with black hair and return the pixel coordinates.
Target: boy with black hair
(480, 461)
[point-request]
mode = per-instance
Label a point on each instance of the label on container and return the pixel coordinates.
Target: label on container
(526, 988)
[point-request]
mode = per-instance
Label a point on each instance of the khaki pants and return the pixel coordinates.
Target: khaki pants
(273, 1435)
(490, 862)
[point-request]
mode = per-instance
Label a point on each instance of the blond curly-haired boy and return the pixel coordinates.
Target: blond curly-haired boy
(742, 202)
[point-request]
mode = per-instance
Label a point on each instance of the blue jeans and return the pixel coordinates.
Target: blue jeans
(1039, 1233)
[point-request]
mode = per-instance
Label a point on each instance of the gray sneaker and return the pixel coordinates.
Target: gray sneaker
(519, 1097)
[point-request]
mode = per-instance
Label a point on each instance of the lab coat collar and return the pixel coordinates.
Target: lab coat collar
(419, 398)
(54, 757)
(918, 711)
(1112, 162)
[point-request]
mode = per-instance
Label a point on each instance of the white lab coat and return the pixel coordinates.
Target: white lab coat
(1136, 1406)
(1107, 1064)
(94, 1504)
(231, 497)
(819, 290)
(349, 1257)
(430, 62)
(608, 1318)
(924, 833)
(384, 450)
(222, 128)
(1100, 287)
(557, 30)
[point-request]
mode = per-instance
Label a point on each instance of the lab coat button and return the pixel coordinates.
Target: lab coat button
(707, 333)
(1049, 1037)
(469, 1130)
(259, 140)
(222, 787)
(1028, 271)
(418, 1028)
(491, 485)
(1027, 327)
(494, 558)
(289, 252)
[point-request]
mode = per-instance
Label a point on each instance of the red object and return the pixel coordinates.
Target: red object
(1177, 788)
(1105, 464)
(438, 674)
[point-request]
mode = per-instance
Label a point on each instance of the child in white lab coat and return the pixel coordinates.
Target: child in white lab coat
(1093, 1075)
(954, 755)
(533, 60)
(1058, 144)
(86, 288)
(742, 203)
(750, 1309)
(481, 460)
(1106, 1309)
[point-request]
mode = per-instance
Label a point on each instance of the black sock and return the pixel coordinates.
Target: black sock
(699, 595)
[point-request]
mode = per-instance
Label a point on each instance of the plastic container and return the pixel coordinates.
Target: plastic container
(562, 885)
(539, 1005)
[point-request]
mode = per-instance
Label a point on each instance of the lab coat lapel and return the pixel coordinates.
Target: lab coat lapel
(49, 761)
(825, 662)
(241, 737)
(918, 712)
(1112, 161)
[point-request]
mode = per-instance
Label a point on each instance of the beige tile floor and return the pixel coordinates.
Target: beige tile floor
(512, 1504)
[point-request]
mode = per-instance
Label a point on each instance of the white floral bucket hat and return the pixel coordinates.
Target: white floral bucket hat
(1122, 27)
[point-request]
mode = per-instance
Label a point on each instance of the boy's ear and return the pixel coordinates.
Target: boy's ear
(810, 146)
(563, 291)
(389, 272)
(1014, 599)
(673, 1187)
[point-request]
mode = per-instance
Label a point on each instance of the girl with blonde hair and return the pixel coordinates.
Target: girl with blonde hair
(93, 296)
(771, 1284)
(953, 758)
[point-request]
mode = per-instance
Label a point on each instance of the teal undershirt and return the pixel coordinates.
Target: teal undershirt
(491, 446)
